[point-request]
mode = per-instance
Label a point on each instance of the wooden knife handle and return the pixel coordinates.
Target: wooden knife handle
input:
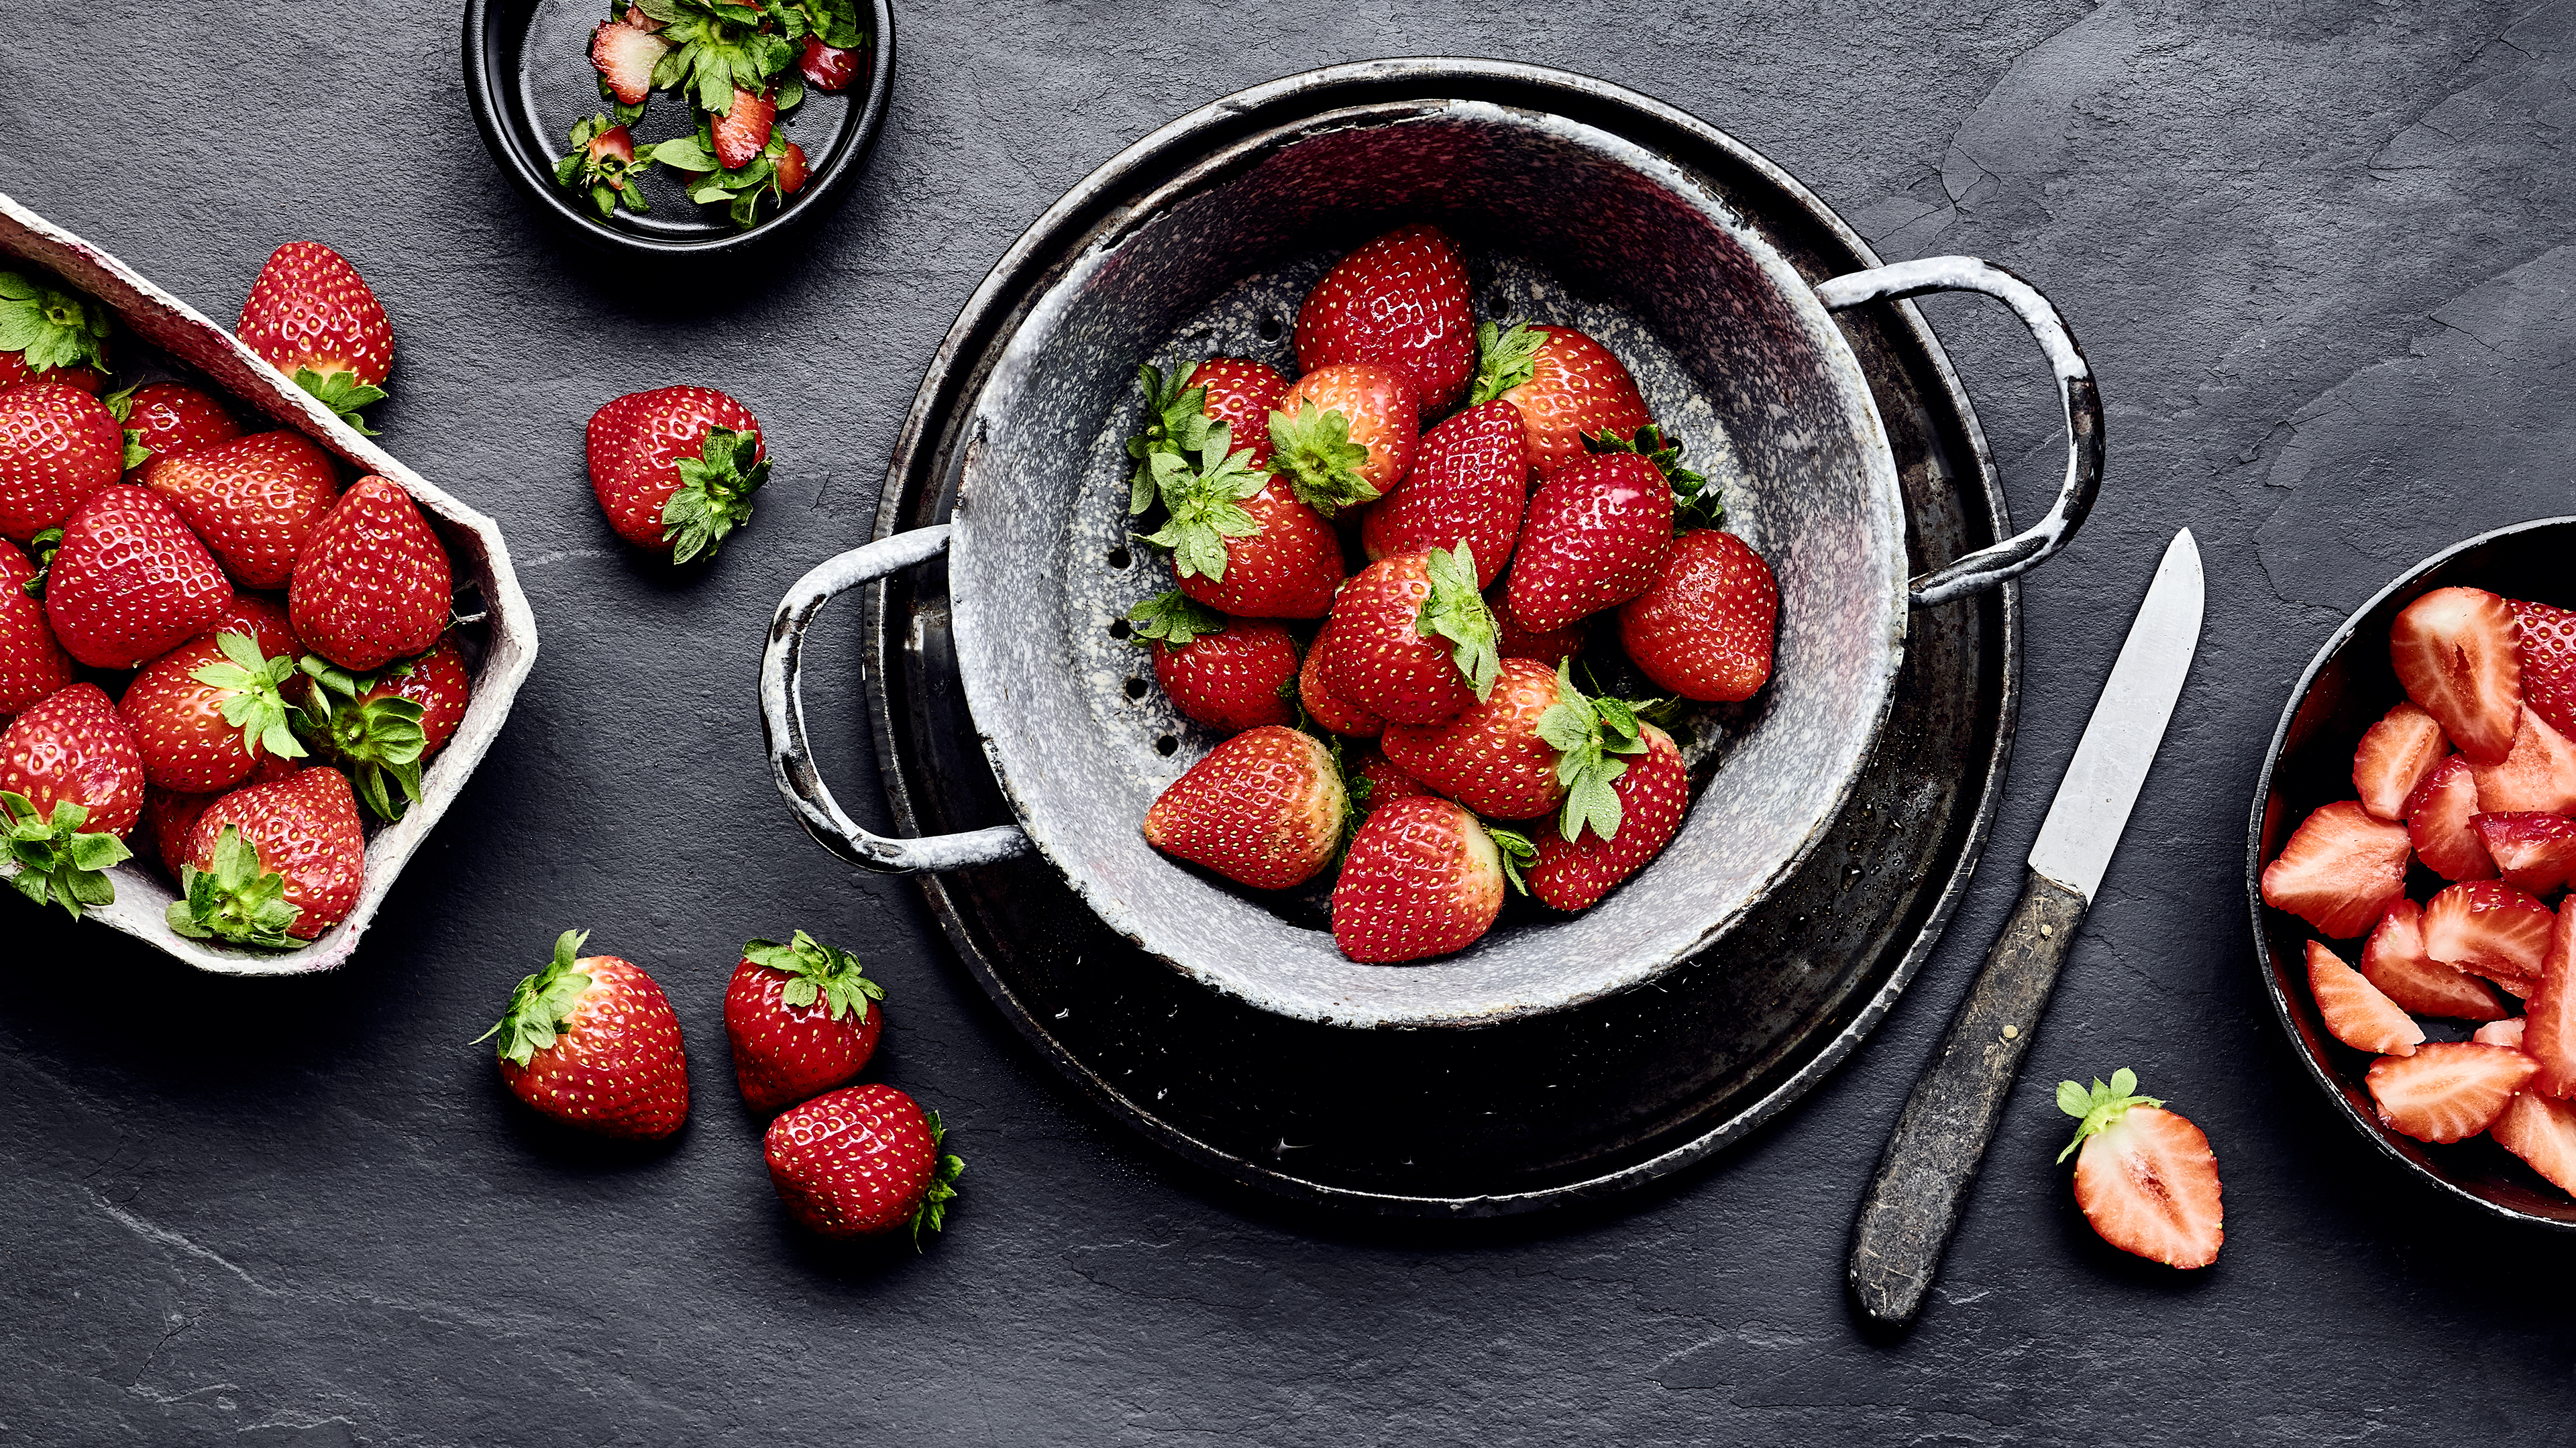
(1913, 1203)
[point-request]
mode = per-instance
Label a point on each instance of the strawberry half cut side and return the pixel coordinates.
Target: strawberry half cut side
(2395, 755)
(2355, 1011)
(2455, 652)
(2549, 1028)
(2395, 961)
(2537, 774)
(2439, 816)
(2489, 927)
(2534, 852)
(57, 860)
(2144, 1176)
(2448, 1090)
(2542, 1131)
(2340, 870)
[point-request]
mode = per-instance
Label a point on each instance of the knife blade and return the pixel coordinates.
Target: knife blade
(1915, 1198)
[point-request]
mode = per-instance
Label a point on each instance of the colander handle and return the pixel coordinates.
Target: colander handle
(782, 719)
(2019, 554)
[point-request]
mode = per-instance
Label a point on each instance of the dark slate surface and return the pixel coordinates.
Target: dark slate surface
(2320, 252)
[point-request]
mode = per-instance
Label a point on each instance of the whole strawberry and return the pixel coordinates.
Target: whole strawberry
(1423, 878)
(1402, 300)
(1265, 808)
(165, 419)
(1516, 640)
(381, 728)
(308, 851)
(312, 317)
(860, 1162)
(32, 661)
(372, 583)
(130, 582)
(49, 334)
(1469, 483)
(205, 713)
(58, 445)
(591, 1041)
(1240, 393)
(1566, 387)
(1240, 542)
(1374, 780)
(674, 468)
(800, 1020)
(1491, 758)
(1229, 674)
(253, 501)
(1703, 628)
(1581, 857)
(1323, 706)
(1411, 641)
(438, 682)
(1596, 535)
(1343, 435)
(71, 788)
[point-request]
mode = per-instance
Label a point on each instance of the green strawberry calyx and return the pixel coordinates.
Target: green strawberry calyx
(343, 393)
(742, 189)
(607, 181)
(542, 1004)
(120, 405)
(1455, 611)
(1313, 450)
(379, 741)
(1695, 500)
(818, 972)
(1517, 852)
(714, 496)
(40, 552)
(1176, 422)
(1173, 619)
(1507, 359)
(236, 900)
(2096, 1109)
(933, 1211)
(254, 703)
(721, 46)
(50, 329)
(1589, 735)
(1205, 503)
(54, 859)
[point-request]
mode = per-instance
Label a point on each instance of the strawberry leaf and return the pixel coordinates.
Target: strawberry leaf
(52, 859)
(253, 704)
(1204, 503)
(714, 496)
(819, 972)
(236, 900)
(933, 1211)
(1454, 610)
(1508, 359)
(1588, 735)
(542, 1003)
(1314, 452)
(343, 393)
(40, 552)
(1516, 851)
(2098, 1108)
(1176, 421)
(1173, 619)
(50, 328)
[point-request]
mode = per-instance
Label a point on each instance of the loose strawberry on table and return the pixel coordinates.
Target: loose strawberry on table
(674, 468)
(1402, 300)
(2454, 651)
(2355, 1011)
(313, 318)
(2441, 823)
(2448, 1090)
(1265, 808)
(1411, 640)
(591, 1041)
(2145, 1177)
(50, 334)
(165, 419)
(1704, 628)
(2395, 962)
(205, 713)
(253, 501)
(2340, 871)
(1229, 674)
(2395, 755)
(58, 445)
(1467, 487)
(32, 661)
(1343, 435)
(130, 581)
(71, 788)
(862, 1161)
(1423, 878)
(801, 1019)
(372, 583)
(1566, 387)
(1577, 861)
(303, 829)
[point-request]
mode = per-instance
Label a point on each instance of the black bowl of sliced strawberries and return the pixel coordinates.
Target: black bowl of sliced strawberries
(2413, 841)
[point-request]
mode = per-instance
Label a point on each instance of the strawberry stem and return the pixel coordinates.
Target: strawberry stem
(50, 329)
(236, 900)
(1176, 421)
(1173, 619)
(542, 1003)
(1205, 502)
(343, 393)
(55, 859)
(714, 496)
(379, 742)
(1509, 359)
(1587, 733)
(1314, 452)
(819, 973)
(1695, 503)
(933, 1211)
(1454, 610)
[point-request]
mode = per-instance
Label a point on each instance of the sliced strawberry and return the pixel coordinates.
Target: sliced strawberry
(2355, 1012)
(2489, 927)
(625, 56)
(830, 67)
(2543, 1133)
(2506, 1032)
(2548, 662)
(792, 169)
(743, 130)
(2439, 817)
(2447, 1090)
(2534, 852)
(2395, 961)
(2549, 1027)
(2340, 871)
(2538, 773)
(2455, 652)
(2145, 1177)
(2395, 755)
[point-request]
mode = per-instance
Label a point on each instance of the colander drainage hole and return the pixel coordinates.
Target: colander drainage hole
(1136, 690)
(1270, 329)
(1118, 629)
(1118, 558)
(1167, 746)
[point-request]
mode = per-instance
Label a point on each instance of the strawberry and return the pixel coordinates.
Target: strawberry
(2395, 755)
(2439, 817)
(314, 319)
(1411, 641)
(437, 682)
(1264, 808)
(1566, 386)
(2538, 772)
(204, 713)
(1423, 878)
(32, 661)
(71, 787)
(1229, 674)
(263, 620)
(2144, 1176)
(58, 445)
(1703, 628)
(50, 334)
(1402, 300)
(741, 130)
(381, 728)
(306, 852)
(2455, 653)
(2340, 871)
(1492, 758)
(860, 1162)
(1343, 435)
(253, 501)
(1240, 393)
(591, 1041)
(2534, 852)
(130, 582)
(2549, 1025)
(168, 820)
(1374, 780)
(1316, 694)
(2504, 1032)
(2548, 649)
(601, 167)
(674, 468)
(2542, 1132)
(2355, 1011)
(799, 1020)
(792, 169)
(1576, 866)
(1240, 542)
(624, 55)
(1516, 640)
(2395, 962)
(165, 419)
(2447, 1090)
(1597, 534)
(372, 583)
(1469, 481)
(831, 68)
(2491, 928)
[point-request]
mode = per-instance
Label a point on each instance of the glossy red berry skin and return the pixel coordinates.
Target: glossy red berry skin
(1596, 535)
(1231, 679)
(1654, 794)
(1469, 483)
(73, 746)
(1402, 300)
(1422, 878)
(855, 1162)
(32, 661)
(1704, 628)
(1241, 393)
(168, 419)
(372, 583)
(309, 308)
(253, 501)
(58, 445)
(783, 1054)
(130, 582)
(305, 828)
(1578, 389)
(618, 1068)
(635, 444)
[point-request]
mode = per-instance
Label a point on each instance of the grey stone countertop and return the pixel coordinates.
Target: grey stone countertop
(2320, 252)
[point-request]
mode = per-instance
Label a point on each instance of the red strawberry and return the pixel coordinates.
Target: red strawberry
(2542, 1132)
(1566, 386)
(1242, 394)
(58, 445)
(314, 319)
(1469, 481)
(1229, 674)
(2355, 1011)
(2455, 652)
(1402, 300)
(591, 1041)
(1516, 640)
(2395, 961)
(372, 583)
(305, 834)
(799, 1018)
(2489, 927)
(1343, 435)
(1492, 758)
(1703, 628)
(14, 370)
(51, 334)
(2340, 871)
(2395, 755)
(130, 582)
(860, 1162)
(792, 169)
(2439, 817)
(253, 500)
(742, 130)
(2534, 852)
(2538, 773)
(264, 621)
(205, 713)
(438, 683)
(381, 728)
(831, 67)
(2144, 1176)
(1597, 534)
(624, 55)
(675, 468)
(32, 661)
(71, 747)
(1574, 870)
(1374, 780)
(2504, 1032)
(1316, 694)
(1265, 808)
(168, 820)
(165, 419)
(1422, 878)
(2447, 1090)
(1410, 640)
(2549, 1025)
(1240, 542)
(2548, 650)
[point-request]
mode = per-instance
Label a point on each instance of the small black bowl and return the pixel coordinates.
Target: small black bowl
(528, 72)
(2346, 689)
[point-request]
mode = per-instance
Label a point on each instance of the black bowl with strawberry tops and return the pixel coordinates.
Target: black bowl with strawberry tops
(2351, 686)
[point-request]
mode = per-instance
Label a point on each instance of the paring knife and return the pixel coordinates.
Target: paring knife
(1914, 1202)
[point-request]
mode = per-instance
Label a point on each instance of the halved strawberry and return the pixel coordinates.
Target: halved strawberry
(2455, 652)
(2543, 1133)
(2506, 1032)
(2355, 1012)
(2395, 755)
(2395, 961)
(2447, 1090)
(2534, 852)
(2538, 773)
(2548, 638)
(2145, 1177)
(625, 56)
(2549, 1026)
(743, 129)
(2340, 871)
(2439, 823)
(2489, 927)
